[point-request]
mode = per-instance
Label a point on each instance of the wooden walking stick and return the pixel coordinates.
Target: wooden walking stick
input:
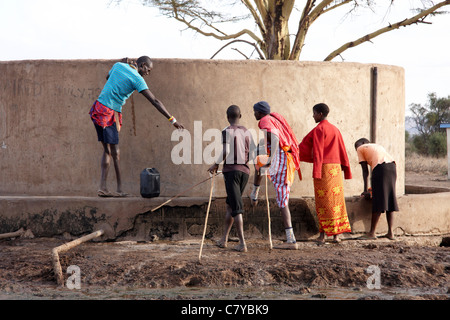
(184, 191)
(268, 215)
(206, 218)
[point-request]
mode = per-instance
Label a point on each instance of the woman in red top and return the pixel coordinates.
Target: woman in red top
(324, 147)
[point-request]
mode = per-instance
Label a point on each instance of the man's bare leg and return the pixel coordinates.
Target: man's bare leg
(291, 243)
(390, 222)
(374, 224)
(115, 154)
(239, 222)
(321, 238)
(105, 164)
(286, 215)
(222, 243)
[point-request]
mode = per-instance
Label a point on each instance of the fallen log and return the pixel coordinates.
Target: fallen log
(65, 247)
(17, 233)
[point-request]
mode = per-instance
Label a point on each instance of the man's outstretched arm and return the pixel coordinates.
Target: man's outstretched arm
(159, 106)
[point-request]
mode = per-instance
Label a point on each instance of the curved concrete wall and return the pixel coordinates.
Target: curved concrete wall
(48, 145)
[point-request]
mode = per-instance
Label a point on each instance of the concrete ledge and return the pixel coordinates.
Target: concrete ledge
(419, 214)
(131, 218)
(416, 189)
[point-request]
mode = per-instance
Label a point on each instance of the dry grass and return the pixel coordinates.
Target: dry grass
(425, 165)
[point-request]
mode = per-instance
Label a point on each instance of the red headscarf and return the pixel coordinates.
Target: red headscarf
(276, 124)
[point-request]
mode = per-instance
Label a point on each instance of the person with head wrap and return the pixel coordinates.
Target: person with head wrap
(262, 106)
(283, 161)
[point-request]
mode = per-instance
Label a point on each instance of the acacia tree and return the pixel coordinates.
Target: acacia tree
(272, 18)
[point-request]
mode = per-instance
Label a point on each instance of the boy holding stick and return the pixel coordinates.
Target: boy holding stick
(237, 141)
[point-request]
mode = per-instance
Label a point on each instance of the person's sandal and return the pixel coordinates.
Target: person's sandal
(119, 194)
(366, 237)
(104, 194)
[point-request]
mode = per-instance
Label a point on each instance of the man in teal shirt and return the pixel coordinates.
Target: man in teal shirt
(123, 79)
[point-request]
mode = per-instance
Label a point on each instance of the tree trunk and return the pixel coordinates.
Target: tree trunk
(276, 37)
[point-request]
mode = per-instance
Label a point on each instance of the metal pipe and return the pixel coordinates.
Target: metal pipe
(373, 105)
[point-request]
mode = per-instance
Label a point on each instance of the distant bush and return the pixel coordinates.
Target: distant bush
(431, 140)
(437, 144)
(434, 145)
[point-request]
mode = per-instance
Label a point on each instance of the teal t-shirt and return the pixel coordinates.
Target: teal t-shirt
(122, 81)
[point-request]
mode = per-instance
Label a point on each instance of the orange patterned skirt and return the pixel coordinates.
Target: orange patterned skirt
(330, 201)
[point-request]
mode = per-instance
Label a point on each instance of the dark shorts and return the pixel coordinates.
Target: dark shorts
(108, 135)
(235, 182)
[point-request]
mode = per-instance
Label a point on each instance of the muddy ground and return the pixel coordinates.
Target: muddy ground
(410, 267)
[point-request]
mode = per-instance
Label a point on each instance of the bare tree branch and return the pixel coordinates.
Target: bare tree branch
(236, 49)
(419, 18)
(272, 20)
(319, 9)
(261, 56)
(197, 14)
(263, 8)
(255, 15)
(224, 36)
(303, 27)
(337, 5)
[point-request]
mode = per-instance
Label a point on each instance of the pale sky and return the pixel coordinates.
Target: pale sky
(97, 29)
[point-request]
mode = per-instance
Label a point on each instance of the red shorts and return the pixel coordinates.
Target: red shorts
(103, 116)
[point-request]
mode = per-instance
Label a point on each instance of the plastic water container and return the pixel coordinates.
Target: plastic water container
(150, 183)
